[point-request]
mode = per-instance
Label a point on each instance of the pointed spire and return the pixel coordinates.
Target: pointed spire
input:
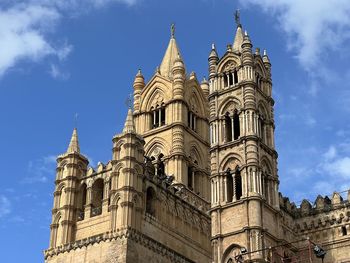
(74, 143)
(171, 53)
(129, 126)
(237, 42)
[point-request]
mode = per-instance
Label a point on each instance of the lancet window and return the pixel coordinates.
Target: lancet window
(192, 120)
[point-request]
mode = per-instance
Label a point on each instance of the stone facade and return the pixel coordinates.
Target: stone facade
(193, 177)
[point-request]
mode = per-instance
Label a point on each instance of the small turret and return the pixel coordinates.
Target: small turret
(205, 87)
(70, 166)
(267, 63)
(128, 152)
(213, 61)
(139, 84)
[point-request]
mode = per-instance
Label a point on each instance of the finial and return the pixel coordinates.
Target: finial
(128, 101)
(245, 33)
(238, 18)
(157, 70)
(265, 52)
(139, 73)
(172, 29)
(213, 46)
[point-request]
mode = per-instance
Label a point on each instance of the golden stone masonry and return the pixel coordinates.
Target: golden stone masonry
(193, 177)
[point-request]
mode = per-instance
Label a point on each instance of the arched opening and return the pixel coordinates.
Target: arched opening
(266, 188)
(344, 231)
(225, 80)
(228, 127)
(97, 197)
(236, 125)
(59, 233)
(192, 120)
(230, 78)
(235, 77)
(81, 202)
(150, 201)
(238, 184)
(229, 186)
(190, 177)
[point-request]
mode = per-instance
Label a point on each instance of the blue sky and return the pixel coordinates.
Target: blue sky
(61, 57)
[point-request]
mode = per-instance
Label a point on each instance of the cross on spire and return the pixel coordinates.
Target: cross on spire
(172, 29)
(238, 17)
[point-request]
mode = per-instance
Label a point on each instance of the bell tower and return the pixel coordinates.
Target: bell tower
(171, 114)
(244, 180)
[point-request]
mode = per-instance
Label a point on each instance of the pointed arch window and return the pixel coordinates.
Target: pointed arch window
(192, 120)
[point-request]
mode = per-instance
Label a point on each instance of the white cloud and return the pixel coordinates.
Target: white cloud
(39, 170)
(57, 73)
(313, 27)
(26, 29)
(5, 206)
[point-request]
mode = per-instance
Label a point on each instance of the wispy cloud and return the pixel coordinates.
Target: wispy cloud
(26, 29)
(39, 170)
(313, 27)
(5, 206)
(57, 73)
(314, 30)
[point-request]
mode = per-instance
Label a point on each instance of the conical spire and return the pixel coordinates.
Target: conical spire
(237, 43)
(74, 143)
(171, 53)
(129, 126)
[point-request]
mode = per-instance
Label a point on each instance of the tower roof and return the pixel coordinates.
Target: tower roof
(129, 126)
(237, 42)
(74, 143)
(171, 53)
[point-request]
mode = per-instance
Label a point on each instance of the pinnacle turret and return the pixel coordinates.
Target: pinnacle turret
(74, 143)
(129, 126)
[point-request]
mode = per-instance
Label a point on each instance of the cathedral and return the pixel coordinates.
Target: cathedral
(193, 176)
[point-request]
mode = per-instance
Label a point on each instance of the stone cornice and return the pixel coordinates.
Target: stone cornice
(127, 233)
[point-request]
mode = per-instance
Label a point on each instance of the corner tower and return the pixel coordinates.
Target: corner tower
(171, 114)
(244, 181)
